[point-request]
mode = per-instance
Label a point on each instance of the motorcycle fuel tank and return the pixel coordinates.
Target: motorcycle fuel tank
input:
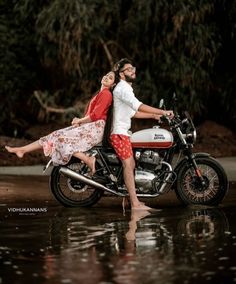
(152, 138)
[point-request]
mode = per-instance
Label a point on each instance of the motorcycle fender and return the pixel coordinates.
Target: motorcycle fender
(183, 161)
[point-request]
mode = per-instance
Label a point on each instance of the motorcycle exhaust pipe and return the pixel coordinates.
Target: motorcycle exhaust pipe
(69, 173)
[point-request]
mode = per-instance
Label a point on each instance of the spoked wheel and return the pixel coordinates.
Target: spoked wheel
(70, 192)
(191, 190)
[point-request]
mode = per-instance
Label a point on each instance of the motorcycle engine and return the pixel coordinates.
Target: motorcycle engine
(147, 162)
(148, 159)
(143, 180)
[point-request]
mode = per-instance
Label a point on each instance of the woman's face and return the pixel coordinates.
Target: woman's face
(108, 80)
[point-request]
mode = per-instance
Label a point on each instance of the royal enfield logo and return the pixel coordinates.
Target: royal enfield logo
(159, 137)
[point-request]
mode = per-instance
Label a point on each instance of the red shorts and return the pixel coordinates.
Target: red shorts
(122, 145)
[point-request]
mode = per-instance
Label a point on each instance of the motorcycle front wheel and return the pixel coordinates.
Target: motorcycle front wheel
(73, 193)
(189, 188)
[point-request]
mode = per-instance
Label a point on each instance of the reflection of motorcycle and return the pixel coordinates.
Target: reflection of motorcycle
(204, 224)
(197, 178)
(159, 230)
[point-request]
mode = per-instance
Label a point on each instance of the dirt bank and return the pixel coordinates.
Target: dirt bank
(213, 138)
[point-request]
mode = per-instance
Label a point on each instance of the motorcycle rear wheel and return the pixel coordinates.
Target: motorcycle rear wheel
(73, 193)
(189, 189)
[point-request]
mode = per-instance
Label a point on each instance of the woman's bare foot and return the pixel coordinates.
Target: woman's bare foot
(91, 164)
(15, 150)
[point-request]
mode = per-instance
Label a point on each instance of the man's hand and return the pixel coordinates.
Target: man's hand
(169, 113)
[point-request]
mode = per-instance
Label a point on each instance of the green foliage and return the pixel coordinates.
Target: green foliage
(73, 34)
(175, 46)
(224, 79)
(18, 65)
(64, 47)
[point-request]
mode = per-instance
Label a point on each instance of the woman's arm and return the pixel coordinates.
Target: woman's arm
(82, 120)
(100, 108)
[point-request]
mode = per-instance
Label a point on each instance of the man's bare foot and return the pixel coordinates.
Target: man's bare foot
(15, 150)
(141, 206)
(91, 164)
(137, 215)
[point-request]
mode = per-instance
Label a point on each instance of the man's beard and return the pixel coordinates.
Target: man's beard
(129, 79)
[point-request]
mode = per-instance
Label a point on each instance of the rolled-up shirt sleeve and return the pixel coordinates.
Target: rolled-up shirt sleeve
(130, 99)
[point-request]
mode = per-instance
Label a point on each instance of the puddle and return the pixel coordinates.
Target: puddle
(43, 242)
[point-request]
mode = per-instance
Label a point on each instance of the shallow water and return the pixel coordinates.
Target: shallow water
(103, 245)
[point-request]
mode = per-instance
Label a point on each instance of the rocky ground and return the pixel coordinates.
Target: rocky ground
(215, 139)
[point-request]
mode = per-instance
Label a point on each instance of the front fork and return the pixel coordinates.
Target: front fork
(197, 171)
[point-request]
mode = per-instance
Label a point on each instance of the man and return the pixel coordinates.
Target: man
(126, 106)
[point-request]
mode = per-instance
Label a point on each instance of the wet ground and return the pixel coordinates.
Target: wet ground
(43, 242)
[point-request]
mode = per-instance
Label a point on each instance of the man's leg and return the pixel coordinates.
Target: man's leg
(123, 148)
(128, 172)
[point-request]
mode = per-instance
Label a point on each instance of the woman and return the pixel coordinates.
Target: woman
(84, 133)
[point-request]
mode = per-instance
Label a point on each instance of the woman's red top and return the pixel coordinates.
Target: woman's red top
(99, 105)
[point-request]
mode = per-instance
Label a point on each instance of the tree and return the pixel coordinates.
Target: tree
(224, 76)
(19, 65)
(63, 48)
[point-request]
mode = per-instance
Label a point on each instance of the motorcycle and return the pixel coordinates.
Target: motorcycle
(164, 159)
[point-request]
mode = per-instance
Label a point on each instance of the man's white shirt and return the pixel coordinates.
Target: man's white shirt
(125, 105)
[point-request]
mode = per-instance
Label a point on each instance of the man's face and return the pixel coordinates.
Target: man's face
(128, 73)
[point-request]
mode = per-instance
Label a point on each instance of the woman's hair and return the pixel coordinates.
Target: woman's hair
(108, 125)
(116, 80)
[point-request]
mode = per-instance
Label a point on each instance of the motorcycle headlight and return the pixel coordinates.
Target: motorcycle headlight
(191, 137)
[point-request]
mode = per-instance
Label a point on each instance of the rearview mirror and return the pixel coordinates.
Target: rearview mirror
(161, 103)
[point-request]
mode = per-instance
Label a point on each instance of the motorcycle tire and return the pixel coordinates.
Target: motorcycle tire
(73, 193)
(189, 189)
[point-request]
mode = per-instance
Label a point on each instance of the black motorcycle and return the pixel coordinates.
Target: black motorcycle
(165, 161)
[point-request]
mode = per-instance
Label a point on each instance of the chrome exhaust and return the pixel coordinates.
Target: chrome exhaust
(162, 189)
(69, 173)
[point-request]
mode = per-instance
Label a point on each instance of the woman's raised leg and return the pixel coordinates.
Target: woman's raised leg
(20, 151)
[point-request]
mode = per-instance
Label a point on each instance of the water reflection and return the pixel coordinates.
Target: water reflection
(174, 245)
(135, 216)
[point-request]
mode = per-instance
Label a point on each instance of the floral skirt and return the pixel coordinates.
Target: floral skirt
(61, 144)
